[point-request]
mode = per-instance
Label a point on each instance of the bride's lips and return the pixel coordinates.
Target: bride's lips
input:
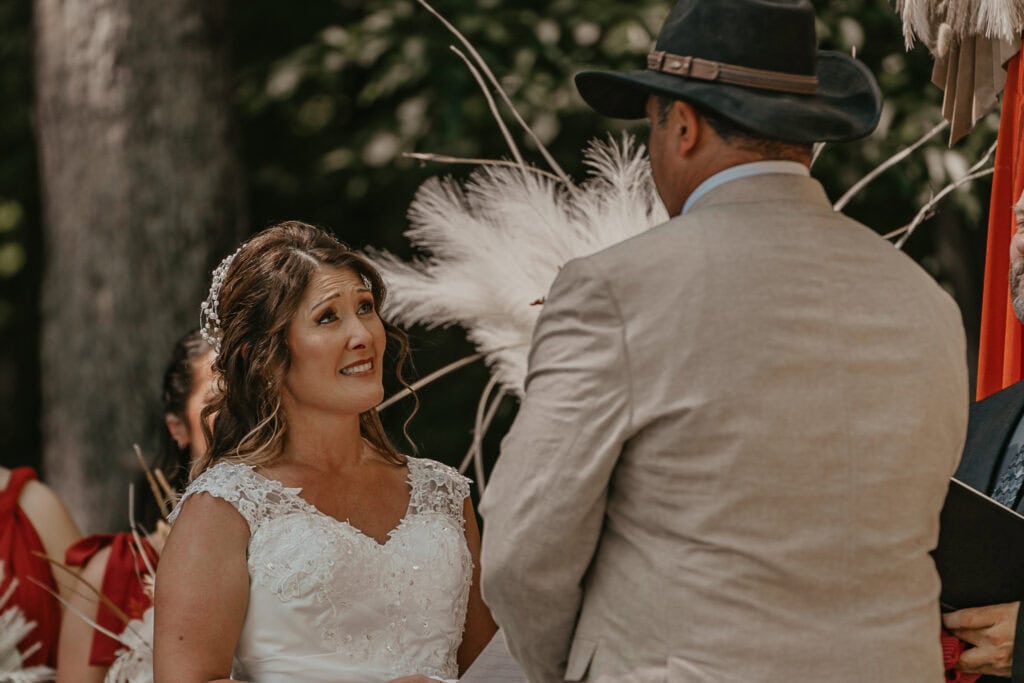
(359, 368)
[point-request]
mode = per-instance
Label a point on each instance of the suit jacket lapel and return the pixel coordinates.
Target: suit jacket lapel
(991, 424)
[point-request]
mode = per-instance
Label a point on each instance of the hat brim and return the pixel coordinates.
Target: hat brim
(846, 106)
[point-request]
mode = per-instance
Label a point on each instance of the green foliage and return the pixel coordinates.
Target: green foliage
(20, 243)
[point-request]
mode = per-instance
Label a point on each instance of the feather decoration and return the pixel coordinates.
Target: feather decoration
(134, 664)
(1001, 20)
(13, 628)
(493, 245)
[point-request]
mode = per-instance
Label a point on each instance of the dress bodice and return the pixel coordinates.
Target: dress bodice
(327, 603)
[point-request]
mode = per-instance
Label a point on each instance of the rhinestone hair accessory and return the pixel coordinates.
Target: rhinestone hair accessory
(209, 316)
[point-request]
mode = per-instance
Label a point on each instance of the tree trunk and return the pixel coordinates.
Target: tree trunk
(142, 195)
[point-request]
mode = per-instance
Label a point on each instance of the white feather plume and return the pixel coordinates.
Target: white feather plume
(1001, 20)
(134, 664)
(13, 629)
(493, 245)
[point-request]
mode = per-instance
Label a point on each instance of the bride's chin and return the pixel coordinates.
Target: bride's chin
(373, 400)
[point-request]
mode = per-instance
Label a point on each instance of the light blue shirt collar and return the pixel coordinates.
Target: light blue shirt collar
(744, 171)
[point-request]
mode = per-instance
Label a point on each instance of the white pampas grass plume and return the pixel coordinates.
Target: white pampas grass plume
(1001, 20)
(493, 245)
(13, 628)
(135, 663)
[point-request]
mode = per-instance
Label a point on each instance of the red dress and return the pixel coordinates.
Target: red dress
(19, 542)
(123, 584)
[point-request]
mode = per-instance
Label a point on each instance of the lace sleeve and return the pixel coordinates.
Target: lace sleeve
(235, 483)
(438, 488)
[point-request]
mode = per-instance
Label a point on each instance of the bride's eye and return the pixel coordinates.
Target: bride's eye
(326, 317)
(365, 307)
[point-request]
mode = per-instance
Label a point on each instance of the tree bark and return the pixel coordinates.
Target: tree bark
(142, 195)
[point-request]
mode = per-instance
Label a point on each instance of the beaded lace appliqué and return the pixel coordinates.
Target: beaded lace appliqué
(417, 582)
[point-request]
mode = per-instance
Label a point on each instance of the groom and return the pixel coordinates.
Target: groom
(738, 427)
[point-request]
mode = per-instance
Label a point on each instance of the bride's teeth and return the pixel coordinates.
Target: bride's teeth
(365, 367)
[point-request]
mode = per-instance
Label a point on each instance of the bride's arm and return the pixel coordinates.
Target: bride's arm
(202, 592)
(480, 626)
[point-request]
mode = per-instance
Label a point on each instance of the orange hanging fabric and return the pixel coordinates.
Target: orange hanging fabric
(1001, 350)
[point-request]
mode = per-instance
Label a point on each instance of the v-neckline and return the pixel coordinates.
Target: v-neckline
(296, 491)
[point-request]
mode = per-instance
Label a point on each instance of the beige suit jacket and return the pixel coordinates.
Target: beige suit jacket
(730, 460)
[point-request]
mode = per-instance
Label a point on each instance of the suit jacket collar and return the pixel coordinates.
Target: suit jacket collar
(991, 424)
(761, 188)
(748, 170)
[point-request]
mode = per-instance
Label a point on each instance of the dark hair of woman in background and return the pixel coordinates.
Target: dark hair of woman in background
(113, 563)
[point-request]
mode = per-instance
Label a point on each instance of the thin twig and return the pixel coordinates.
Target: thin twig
(444, 159)
(973, 173)
(486, 409)
(170, 495)
(925, 211)
(819, 147)
(908, 229)
(141, 549)
(886, 165)
(80, 613)
(481, 410)
(437, 374)
(153, 485)
(493, 105)
(504, 96)
(100, 597)
(478, 458)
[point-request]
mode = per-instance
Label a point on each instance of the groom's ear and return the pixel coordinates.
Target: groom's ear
(687, 127)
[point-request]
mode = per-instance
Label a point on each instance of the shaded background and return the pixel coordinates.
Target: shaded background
(313, 106)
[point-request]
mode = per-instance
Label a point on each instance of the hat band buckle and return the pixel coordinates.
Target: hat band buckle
(707, 70)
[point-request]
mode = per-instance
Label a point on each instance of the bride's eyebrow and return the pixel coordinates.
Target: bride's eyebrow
(323, 301)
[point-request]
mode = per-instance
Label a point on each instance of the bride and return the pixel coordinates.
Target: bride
(307, 548)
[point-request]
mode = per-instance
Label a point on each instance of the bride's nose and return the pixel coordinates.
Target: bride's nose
(359, 336)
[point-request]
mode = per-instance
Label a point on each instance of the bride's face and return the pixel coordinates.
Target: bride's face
(336, 342)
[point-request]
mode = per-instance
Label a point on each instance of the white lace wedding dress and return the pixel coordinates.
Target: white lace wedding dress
(329, 604)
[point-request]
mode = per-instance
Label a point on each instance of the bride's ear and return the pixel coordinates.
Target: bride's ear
(178, 430)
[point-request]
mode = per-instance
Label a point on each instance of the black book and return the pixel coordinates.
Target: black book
(980, 556)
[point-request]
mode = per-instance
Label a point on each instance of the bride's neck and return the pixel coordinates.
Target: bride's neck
(324, 442)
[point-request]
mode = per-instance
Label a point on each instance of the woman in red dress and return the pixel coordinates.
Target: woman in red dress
(33, 521)
(113, 563)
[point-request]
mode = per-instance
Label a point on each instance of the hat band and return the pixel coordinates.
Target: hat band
(706, 70)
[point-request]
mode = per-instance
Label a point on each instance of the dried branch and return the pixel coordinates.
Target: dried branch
(973, 173)
(925, 212)
(886, 165)
(98, 595)
(504, 96)
(82, 615)
(819, 147)
(170, 495)
(493, 105)
(486, 409)
(154, 486)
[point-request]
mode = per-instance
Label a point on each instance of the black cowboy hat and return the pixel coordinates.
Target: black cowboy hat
(754, 62)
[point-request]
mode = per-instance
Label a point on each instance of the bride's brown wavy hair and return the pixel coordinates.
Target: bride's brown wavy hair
(258, 299)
